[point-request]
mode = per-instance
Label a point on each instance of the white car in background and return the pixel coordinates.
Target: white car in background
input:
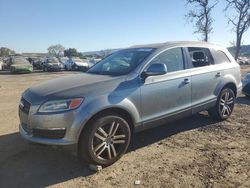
(76, 64)
(63, 60)
(1, 65)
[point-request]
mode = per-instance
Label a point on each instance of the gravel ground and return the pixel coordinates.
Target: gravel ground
(193, 152)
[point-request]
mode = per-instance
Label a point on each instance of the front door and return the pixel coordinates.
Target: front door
(169, 94)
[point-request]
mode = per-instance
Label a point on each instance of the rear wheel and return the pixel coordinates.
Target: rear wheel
(224, 105)
(104, 140)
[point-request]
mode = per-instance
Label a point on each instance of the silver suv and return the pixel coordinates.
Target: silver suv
(131, 90)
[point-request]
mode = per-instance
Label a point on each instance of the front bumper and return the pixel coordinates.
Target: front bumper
(42, 140)
(52, 129)
(22, 70)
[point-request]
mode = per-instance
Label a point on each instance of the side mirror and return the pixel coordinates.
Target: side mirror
(154, 70)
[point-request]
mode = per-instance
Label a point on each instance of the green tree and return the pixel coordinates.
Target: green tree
(71, 52)
(56, 50)
(6, 51)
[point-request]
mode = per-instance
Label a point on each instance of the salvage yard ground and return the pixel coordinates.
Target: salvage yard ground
(193, 152)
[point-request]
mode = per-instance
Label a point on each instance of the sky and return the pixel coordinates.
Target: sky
(89, 25)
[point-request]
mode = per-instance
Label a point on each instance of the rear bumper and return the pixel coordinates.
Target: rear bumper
(239, 90)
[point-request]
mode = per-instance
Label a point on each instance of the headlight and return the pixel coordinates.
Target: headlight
(61, 105)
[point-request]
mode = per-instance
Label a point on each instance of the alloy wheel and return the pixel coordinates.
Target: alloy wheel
(226, 104)
(109, 141)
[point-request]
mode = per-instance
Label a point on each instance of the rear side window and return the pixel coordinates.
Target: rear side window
(220, 57)
(172, 58)
(200, 56)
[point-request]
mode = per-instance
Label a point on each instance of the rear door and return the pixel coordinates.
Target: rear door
(205, 76)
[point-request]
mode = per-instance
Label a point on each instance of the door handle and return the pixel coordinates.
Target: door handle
(186, 81)
(218, 74)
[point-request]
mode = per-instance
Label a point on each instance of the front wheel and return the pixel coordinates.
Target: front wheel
(104, 140)
(224, 105)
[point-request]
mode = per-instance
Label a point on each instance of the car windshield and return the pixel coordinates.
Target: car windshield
(20, 60)
(121, 62)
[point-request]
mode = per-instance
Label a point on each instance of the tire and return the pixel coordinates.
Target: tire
(224, 105)
(104, 140)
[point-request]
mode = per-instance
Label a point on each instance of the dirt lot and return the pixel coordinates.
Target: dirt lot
(193, 152)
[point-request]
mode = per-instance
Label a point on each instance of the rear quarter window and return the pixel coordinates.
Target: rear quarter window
(220, 57)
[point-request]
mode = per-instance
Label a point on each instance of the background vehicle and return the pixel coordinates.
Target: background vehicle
(76, 64)
(63, 60)
(19, 64)
(131, 90)
(52, 64)
(37, 63)
(1, 64)
(246, 85)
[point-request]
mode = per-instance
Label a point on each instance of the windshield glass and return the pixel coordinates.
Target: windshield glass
(20, 60)
(121, 62)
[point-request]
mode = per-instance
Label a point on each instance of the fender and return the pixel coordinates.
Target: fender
(227, 79)
(103, 104)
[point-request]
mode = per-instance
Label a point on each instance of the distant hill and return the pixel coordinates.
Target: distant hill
(244, 51)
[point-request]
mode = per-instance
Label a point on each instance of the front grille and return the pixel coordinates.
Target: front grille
(24, 106)
(53, 134)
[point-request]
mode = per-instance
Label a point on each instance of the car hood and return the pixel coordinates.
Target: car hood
(78, 85)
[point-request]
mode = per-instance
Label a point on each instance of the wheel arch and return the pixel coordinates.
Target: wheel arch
(115, 111)
(232, 86)
(228, 81)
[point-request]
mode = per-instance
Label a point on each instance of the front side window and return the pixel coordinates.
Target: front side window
(121, 62)
(172, 58)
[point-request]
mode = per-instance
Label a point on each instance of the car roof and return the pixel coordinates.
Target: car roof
(179, 43)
